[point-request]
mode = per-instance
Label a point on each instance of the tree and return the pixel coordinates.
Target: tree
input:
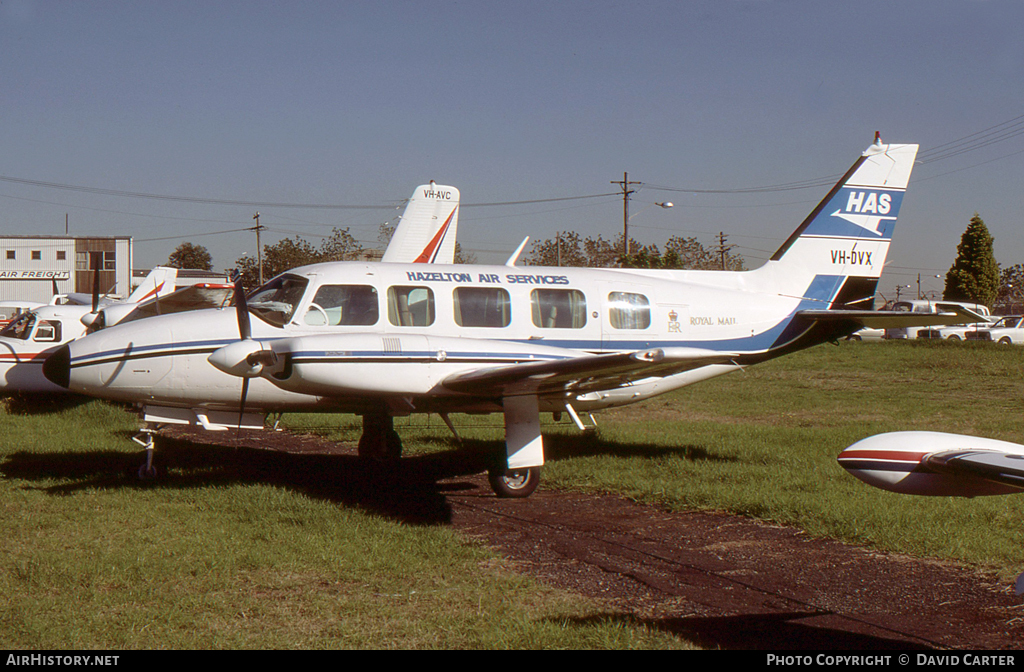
(290, 253)
(682, 253)
(564, 250)
(974, 275)
(190, 256)
(568, 249)
(1011, 290)
(340, 246)
(461, 256)
(691, 254)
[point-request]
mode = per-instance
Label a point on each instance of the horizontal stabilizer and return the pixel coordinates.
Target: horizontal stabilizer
(999, 467)
(894, 319)
(583, 374)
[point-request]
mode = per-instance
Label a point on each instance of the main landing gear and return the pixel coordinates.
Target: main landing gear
(517, 473)
(514, 483)
(379, 442)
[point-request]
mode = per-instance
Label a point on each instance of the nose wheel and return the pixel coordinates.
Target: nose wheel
(145, 438)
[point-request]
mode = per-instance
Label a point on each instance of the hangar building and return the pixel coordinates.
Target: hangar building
(31, 265)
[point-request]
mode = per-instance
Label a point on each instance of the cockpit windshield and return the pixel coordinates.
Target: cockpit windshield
(20, 327)
(277, 300)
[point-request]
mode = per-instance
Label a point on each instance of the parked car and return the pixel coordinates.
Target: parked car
(929, 306)
(867, 334)
(1007, 330)
(960, 332)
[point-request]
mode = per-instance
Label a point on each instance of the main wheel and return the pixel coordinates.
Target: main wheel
(379, 441)
(514, 483)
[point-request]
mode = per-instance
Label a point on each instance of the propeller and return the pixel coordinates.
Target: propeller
(245, 333)
(90, 318)
(96, 288)
(242, 310)
(245, 358)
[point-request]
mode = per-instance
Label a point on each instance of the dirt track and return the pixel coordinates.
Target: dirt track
(721, 580)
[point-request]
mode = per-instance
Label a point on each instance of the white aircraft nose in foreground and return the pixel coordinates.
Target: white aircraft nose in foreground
(29, 339)
(386, 339)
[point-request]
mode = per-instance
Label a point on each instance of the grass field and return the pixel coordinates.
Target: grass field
(219, 555)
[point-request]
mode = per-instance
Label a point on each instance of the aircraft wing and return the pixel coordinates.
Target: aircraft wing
(193, 297)
(894, 319)
(991, 465)
(585, 373)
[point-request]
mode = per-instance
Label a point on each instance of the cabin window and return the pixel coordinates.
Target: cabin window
(275, 301)
(48, 332)
(410, 306)
(11, 254)
(559, 308)
(482, 307)
(629, 311)
(37, 255)
(340, 305)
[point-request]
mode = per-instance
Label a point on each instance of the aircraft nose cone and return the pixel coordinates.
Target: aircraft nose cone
(57, 367)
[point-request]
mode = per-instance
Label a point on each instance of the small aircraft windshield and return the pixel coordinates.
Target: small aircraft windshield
(20, 327)
(275, 301)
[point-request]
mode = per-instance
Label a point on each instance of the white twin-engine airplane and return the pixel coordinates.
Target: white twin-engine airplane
(425, 234)
(29, 339)
(385, 339)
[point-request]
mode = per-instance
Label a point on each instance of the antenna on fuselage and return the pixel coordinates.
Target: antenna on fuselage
(515, 255)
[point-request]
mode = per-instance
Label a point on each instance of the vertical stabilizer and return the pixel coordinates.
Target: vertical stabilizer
(426, 232)
(842, 245)
(160, 282)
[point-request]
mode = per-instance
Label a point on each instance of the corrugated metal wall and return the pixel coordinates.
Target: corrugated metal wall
(30, 266)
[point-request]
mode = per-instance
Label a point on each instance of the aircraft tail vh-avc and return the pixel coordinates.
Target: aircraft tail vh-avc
(426, 233)
(391, 339)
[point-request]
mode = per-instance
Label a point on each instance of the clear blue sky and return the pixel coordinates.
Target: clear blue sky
(356, 103)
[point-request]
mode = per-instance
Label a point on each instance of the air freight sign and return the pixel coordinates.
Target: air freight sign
(35, 275)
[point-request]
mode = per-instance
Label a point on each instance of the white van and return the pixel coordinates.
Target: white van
(931, 306)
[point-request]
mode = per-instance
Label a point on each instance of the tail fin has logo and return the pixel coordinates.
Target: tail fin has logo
(868, 208)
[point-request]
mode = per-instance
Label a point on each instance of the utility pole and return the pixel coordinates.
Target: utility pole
(259, 248)
(722, 247)
(626, 191)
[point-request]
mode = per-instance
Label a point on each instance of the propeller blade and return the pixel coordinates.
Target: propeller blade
(241, 402)
(95, 289)
(242, 310)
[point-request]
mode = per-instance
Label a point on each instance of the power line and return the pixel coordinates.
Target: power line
(992, 135)
(183, 199)
(263, 204)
